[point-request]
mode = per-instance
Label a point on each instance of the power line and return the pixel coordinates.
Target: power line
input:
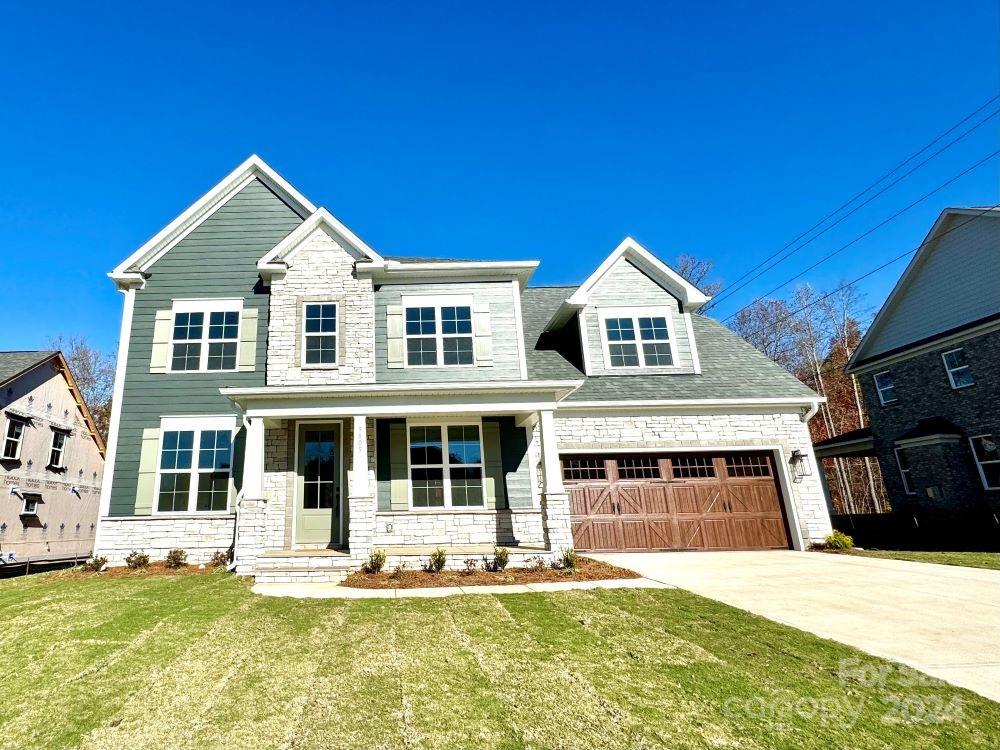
(881, 179)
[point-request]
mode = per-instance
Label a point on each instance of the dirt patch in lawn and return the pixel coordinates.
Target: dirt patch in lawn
(153, 569)
(586, 570)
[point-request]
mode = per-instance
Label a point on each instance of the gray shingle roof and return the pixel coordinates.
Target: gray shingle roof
(730, 367)
(14, 363)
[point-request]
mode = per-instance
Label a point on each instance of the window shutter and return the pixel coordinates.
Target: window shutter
(494, 488)
(248, 339)
(399, 481)
(149, 454)
(394, 335)
(483, 332)
(161, 340)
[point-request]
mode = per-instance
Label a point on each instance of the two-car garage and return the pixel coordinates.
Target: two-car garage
(675, 501)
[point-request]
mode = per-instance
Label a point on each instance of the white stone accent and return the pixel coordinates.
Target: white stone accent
(784, 430)
(503, 527)
(322, 269)
(199, 536)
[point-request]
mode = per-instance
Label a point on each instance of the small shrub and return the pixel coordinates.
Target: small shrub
(570, 560)
(436, 562)
(398, 571)
(376, 561)
(219, 559)
(536, 563)
(137, 560)
(176, 558)
(500, 558)
(94, 564)
(471, 564)
(838, 540)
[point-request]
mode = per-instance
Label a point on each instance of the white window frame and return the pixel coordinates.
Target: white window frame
(634, 312)
(445, 466)
(979, 464)
(62, 450)
(197, 425)
(18, 441)
(878, 389)
(30, 497)
(952, 370)
(336, 337)
(437, 301)
(206, 307)
(906, 474)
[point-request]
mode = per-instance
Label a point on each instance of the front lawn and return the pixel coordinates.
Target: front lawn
(988, 560)
(198, 661)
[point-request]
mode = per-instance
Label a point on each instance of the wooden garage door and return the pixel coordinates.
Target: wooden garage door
(675, 501)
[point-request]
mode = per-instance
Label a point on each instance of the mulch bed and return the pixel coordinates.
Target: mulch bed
(154, 569)
(586, 570)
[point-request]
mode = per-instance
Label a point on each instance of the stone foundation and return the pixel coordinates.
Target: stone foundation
(201, 536)
(503, 527)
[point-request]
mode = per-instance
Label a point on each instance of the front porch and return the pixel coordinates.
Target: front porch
(323, 488)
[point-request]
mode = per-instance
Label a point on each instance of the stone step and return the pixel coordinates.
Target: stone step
(300, 575)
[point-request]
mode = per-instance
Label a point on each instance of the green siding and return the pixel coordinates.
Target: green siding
(218, 259)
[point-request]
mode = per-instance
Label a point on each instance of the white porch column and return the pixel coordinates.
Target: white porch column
(361, 498)
(251, 511)
(253, 460)
(555, 501)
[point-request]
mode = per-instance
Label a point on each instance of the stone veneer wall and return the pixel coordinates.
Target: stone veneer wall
(321, 271)
(199, 536)
(717, 431)
(503, 527)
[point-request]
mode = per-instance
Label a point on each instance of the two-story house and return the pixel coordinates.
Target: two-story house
(929, 369)
(286, 390)
(51, 463)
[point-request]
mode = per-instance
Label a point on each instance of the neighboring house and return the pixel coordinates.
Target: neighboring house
(929, 369)
(51, 463)
(283, 388)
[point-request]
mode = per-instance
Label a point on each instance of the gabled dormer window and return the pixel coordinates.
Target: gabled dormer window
(438, 331)
(637, 337)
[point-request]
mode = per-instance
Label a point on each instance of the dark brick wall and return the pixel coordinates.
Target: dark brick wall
(923, 391)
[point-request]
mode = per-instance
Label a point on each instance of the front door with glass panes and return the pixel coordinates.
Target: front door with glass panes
(317, 497)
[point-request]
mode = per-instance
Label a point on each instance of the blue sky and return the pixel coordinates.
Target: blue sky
(493, 130)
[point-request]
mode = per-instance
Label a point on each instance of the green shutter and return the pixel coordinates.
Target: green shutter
(161, 340)
(482, 331)
(248, 340)
(399, 484)
(394, 335)
(148, 458)
(493, 480)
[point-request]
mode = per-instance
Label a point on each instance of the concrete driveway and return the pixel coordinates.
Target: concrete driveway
(943, 620)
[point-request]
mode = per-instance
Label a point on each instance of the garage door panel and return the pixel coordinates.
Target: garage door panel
(590, 500)
(634, 535)
(696, 498)
(660, 534)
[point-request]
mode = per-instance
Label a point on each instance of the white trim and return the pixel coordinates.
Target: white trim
(955, 338)
(19, 441)
(951, 371)
(522, 357)
(633, 313)
(197, 425)
(205, 306)
(907, 486)
(482, 270)
(936, 439)
(58, 432)
(581, 315)
(695, 359)
(111, 453)
(569, 406)
(879, 389)
(336, 337)
(437, 302)
(979, 464)
(295, 477)
(445, 464)
(197, 212)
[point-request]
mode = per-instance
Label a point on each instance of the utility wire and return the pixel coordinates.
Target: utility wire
(733, 286)
(861, 236)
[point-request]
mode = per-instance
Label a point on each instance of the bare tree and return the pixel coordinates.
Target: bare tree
(697, 271)
(770, 326)
(94, 372)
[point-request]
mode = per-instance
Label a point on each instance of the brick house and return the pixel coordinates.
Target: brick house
(288, 392)
(929, 370)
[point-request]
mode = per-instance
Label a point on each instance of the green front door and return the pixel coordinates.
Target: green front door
(317, 496)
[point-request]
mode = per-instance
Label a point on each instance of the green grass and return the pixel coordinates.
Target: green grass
(200, 662)
(988, 560)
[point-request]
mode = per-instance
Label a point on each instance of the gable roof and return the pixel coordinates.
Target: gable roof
(731, 368)
(950, 281)
(130, 271)
(14, 364)
(690, 296)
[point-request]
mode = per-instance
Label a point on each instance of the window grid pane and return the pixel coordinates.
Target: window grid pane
(174, 490)
(178, 446)
(584, 467)
(620, 329)
(222, 356)
(623, 355)
(458, 350)
(224, 325)
(747, 466)
(639, 467)
(188, 326)
(657, 355)
(692, 467)
(186, 357)
(213, 491)
(12, 441)
(456, 320)
(421, 351)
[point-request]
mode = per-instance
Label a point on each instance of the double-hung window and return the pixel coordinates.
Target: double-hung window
(12, 439)
(319, 334)
(446, 466)
(885, 387)
(57, 452)
(903, 462)
(205, 336)
(957, 366)
(195, 465)
(637, 337)
(438, 331)
(986, 450)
